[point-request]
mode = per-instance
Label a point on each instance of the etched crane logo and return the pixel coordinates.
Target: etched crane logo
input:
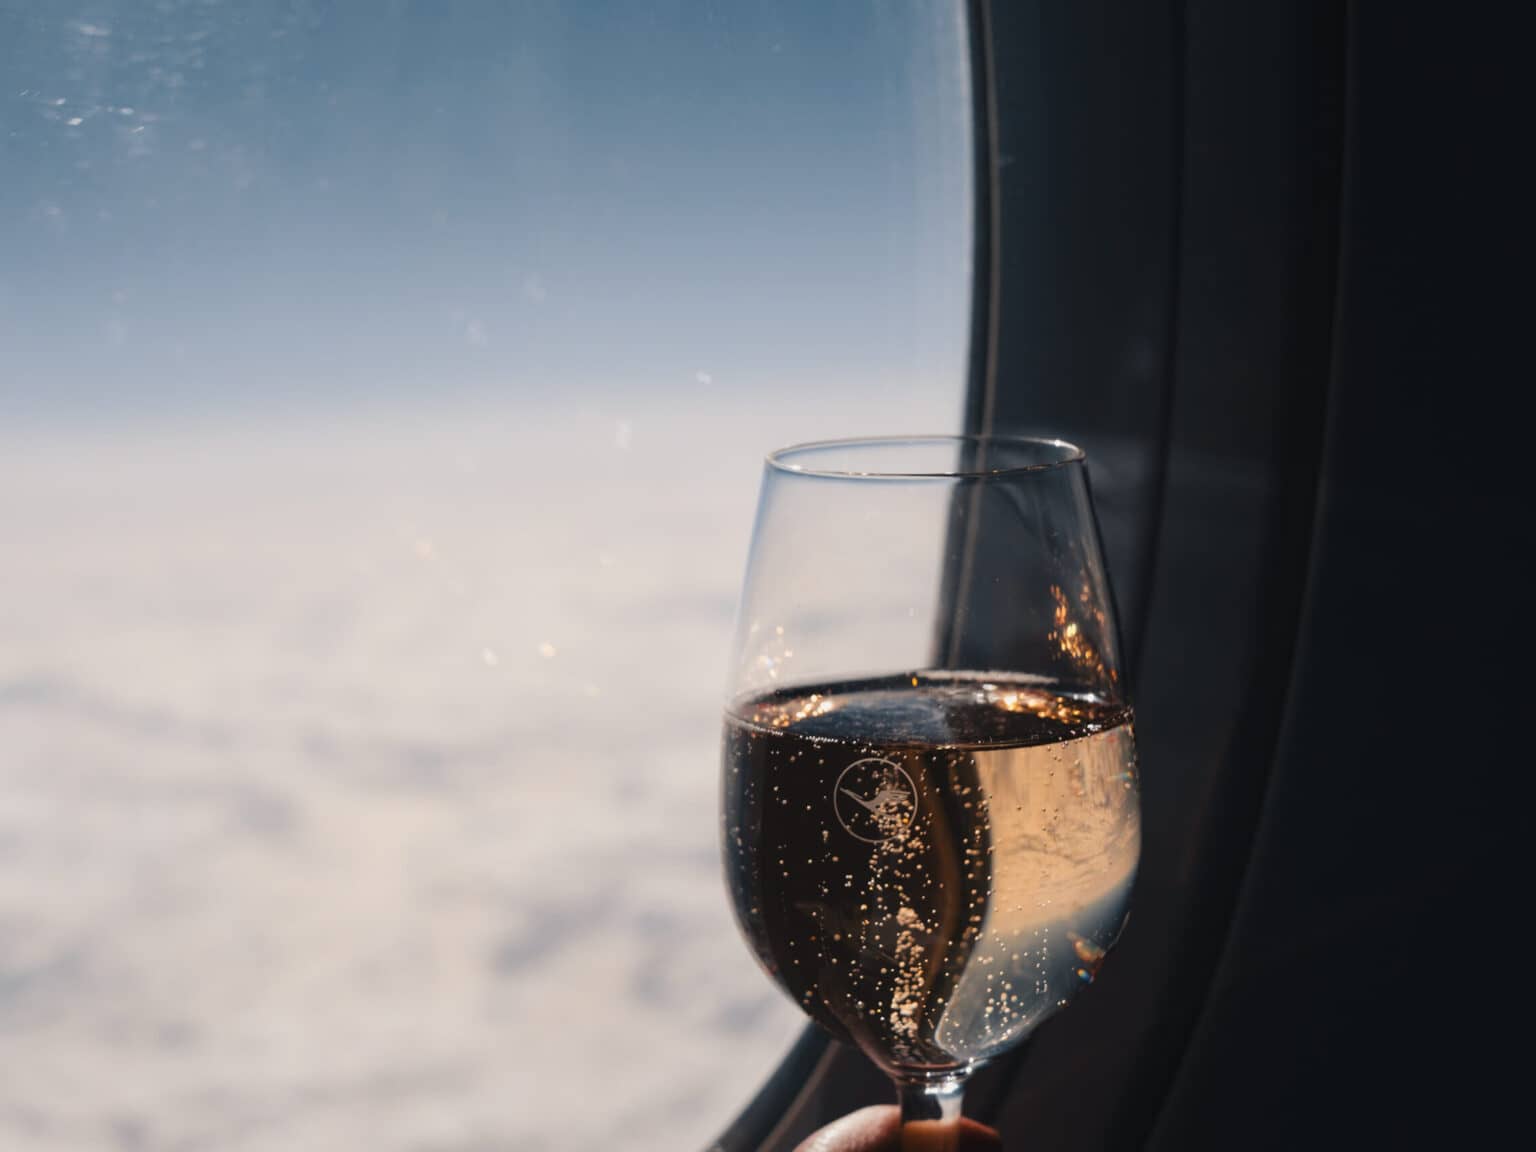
(875, 800)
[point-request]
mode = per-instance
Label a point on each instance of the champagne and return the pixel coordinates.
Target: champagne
(930, 864)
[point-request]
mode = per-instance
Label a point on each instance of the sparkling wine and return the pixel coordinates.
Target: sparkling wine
(930, 864)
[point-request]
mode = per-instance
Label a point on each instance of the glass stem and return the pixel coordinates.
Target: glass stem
(930, 1115)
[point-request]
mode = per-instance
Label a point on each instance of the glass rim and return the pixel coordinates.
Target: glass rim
(1065, 453)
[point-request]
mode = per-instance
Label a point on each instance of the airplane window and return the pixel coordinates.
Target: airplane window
(383, 391)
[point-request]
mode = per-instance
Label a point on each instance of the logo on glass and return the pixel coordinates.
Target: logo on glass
(875, 800)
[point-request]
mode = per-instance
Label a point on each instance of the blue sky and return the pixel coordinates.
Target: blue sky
(210, 204)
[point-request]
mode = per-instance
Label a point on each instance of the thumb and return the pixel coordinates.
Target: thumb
(878, 1129)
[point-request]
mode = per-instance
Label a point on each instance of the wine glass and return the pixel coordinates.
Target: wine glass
(931, 816)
